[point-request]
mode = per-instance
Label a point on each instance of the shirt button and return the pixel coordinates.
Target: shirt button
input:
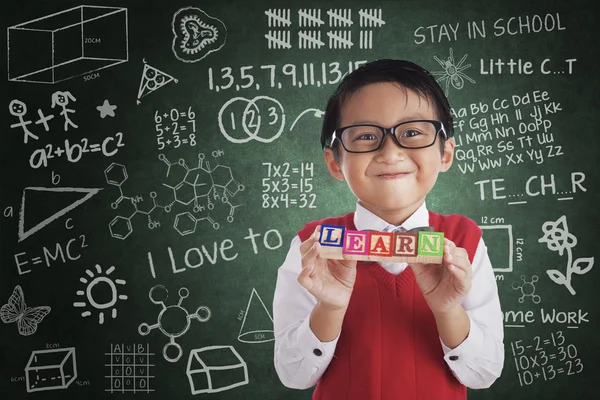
(453, 358)
(317, 352)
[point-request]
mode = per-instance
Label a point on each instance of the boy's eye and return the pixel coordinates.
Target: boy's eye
(411, 133)
(366, 136)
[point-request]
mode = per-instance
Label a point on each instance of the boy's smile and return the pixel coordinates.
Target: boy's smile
(391, 182)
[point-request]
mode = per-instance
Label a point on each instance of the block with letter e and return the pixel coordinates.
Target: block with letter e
(356, 245)
(331, 239)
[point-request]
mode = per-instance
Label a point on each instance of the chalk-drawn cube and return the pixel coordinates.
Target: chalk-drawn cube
(67, 44)
(215, 369)
(51, 369)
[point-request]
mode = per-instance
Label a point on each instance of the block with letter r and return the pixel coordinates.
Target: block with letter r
(431, 244)
(332, 235)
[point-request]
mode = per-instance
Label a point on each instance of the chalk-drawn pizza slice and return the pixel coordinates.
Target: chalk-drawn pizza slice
(152, 79)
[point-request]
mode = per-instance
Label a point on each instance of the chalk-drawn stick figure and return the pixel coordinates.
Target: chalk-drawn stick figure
(19, 109)
(62, 99)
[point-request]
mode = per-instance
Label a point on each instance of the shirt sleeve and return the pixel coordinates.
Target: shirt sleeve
(300, 357)
(477, 362)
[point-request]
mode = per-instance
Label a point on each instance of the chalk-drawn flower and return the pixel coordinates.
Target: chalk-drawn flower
(557, 238)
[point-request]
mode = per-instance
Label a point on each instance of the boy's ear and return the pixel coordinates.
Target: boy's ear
(448, 155)
(334, 168)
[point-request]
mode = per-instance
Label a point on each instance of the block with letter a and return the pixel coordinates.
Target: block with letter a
(422, 246)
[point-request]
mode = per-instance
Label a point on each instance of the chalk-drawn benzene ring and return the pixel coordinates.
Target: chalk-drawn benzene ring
(145, 329)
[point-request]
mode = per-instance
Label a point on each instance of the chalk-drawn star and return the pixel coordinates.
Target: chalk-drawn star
(106, 109)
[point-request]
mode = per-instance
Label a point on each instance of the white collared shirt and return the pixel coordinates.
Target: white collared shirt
(301, 358)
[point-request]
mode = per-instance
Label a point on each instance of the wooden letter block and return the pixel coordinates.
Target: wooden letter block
(381, 244)
(356, 243)
(405, 244)
(332, 240)
(431, 244)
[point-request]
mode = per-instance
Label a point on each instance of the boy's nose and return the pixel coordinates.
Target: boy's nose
(390, 150)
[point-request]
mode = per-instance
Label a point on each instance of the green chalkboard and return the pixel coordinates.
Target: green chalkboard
(157, 158)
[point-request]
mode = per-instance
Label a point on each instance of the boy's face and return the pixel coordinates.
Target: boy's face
(391, 182)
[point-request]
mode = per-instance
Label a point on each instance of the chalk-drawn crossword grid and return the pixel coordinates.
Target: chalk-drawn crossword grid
(129, 368)
(199, 187)
(339, 34)
(49, 41)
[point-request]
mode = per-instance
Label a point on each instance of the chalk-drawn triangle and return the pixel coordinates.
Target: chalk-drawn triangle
(152, 79)
(257, 326)
(86, 194)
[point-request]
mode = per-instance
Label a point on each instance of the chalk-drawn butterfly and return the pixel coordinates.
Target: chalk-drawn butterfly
(16, 310)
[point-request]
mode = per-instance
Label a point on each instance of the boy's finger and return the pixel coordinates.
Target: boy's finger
(310, 255)
(306, 245)
(304, 276)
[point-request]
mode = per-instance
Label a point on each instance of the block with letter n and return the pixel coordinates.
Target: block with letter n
(431, 247)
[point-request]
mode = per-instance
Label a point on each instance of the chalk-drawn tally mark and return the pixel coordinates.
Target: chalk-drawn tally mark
(51, 369)
(339, 32)
(170, 311)
(453, 72)
(558, 238)
(16, 310)
(24, 234)
(49, 41)
(152, 79)
(196, 34)
(100, 281)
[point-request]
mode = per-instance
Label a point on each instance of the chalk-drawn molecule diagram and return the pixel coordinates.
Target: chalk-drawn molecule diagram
(165, 321)
(120, 227)
(527, 289)
(198, 188)
(453, 72)
(198, 185)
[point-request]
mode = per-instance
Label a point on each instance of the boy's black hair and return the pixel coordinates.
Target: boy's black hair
(405, 73)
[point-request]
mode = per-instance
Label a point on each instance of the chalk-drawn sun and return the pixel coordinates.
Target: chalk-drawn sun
(98, 286)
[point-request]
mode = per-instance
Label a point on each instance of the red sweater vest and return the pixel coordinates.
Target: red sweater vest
(389, 347)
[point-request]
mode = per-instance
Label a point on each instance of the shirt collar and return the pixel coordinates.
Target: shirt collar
(366, 220)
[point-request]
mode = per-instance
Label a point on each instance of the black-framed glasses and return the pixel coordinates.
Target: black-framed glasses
(365, 138)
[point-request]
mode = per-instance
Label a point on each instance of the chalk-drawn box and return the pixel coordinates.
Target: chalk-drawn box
(215, 369)
(51, 369)
(499, 240)
(67, 44)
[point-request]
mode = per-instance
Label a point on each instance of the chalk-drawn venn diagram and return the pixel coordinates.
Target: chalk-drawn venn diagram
(242, 120)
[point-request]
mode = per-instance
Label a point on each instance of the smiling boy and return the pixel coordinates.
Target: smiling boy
(389, 330)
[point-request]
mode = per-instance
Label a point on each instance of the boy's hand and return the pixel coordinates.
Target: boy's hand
(330, 281)
(445, 285)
